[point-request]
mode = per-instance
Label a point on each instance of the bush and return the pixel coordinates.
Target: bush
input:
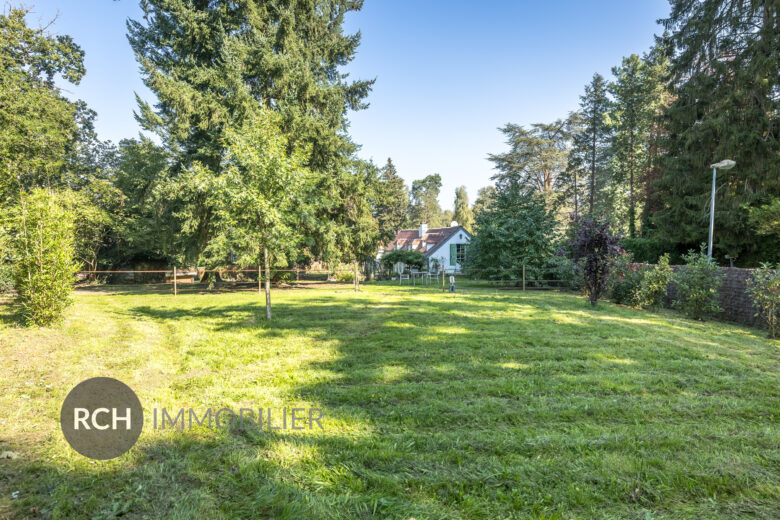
(594, 247)
(44, 269)
(697, 283)
(654, 284)
(285, 276)
(6, 263)
(345, 276)
(764, 289)
(645, 250)
(563, 269)
(625, 279)
(410, 258)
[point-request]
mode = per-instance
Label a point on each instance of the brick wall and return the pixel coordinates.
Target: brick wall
(734, 299)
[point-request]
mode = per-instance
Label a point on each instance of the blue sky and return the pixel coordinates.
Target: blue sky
(449, 73)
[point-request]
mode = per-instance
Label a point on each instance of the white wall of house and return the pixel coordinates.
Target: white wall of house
(445, 252)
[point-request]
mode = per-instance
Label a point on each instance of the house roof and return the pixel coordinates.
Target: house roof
(430, 241)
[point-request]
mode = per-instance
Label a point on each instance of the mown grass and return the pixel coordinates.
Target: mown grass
(480, 404)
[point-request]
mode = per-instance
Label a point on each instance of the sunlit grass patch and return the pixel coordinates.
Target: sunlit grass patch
(482, 404)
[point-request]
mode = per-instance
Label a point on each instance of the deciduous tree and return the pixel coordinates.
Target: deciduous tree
(463, 214)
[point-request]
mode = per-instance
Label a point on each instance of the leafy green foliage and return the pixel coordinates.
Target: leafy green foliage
(350, 232)
(765, 219)
(698, 282)
(213, 65)
(654, 284)
(410, 258)
(6, 260)
(726, 72)
(424, 197)
(536, 157)
(764, 289)
(517, 229)
(563, 269)
(391, 207)
(485, 197)
(37, 124)
(637, 96)
(625, 280)
(44, 266)
(645, 250)
(463, 214)
(257, 199)
(590, 148)
(150, 218)
(594, 247)
(92, 225)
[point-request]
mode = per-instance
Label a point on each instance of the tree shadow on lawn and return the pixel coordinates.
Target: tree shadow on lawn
(475, 407)
(485, 406)
(200, 474)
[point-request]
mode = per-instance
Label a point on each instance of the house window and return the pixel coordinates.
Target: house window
(460, 253)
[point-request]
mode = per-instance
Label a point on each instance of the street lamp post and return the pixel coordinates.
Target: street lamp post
(726, 164)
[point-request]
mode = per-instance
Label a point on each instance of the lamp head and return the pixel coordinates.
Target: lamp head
(725, 164)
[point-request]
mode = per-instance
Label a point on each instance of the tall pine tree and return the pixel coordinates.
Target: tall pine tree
(590, 145)
(725, 71)
(391, 208)
(212, 62)
(631, 118)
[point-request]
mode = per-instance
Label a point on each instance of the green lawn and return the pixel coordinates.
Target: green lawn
(481, 404)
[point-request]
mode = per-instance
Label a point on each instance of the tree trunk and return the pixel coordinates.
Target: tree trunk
(357, 280)
(593, 174)
(267, 284)
(576, 203)
(631, 208)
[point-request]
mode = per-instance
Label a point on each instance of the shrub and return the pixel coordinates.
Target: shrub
(44, 268)
(654, 284)
(410, 258)
(697, 284)
(594, 246)
(563, 269)
(285, 276)
(345, 276)
(645, 250)
(625, 278)
(764, 289)
(6, 263)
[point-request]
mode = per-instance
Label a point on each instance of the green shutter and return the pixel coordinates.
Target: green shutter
(453, 254)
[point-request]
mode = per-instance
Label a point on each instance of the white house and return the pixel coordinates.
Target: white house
(440, 246)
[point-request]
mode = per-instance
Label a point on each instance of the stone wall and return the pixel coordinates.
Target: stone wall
(734, 299)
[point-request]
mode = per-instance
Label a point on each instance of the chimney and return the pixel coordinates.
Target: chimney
(423, 229)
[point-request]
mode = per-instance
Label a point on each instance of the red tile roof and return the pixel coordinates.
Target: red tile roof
(410, 239)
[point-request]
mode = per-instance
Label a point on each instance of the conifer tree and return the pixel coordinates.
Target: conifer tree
(725, 70)
(391, 208)
(485, 197)
(591, 142)
(631, 116)
(211, 64)
(536, 157)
